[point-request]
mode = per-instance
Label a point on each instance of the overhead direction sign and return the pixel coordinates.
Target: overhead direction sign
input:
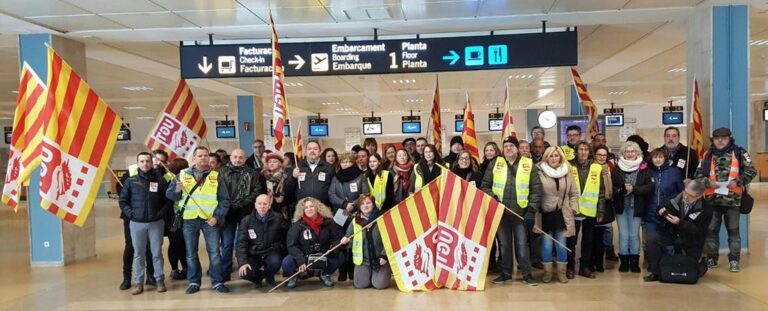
(525, 50)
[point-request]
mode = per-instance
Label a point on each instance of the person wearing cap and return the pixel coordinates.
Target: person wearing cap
(274, 175)
(573, 136)
(726, 170)
(457, 145)
(514, 181)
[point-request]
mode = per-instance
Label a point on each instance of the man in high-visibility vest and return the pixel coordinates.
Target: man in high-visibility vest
(513, 181)
(573, 137)
(591, 198)
(726, 170)
(205, 201)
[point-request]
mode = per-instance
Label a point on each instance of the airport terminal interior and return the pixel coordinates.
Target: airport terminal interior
(357, 69)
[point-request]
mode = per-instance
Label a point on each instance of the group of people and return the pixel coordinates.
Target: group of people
(271, 213)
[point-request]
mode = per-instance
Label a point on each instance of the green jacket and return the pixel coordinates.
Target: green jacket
(722, 168)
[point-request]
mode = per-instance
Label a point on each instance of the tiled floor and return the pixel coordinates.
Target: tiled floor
(93, 284)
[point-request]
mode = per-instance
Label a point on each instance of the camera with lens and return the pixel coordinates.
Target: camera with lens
(315, 248)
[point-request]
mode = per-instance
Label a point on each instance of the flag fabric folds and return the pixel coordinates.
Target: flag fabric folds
(441, 236)
(589, 105)
(468, 134)
(437, 129)
(508, 125)
(280, 102)
(77, 144)
(298, 145)
(180, 128)
(24, 155)
(697, 141)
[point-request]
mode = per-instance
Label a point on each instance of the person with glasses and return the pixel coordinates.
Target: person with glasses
(466, 168)
(606, 215)
(685, 220)
(254, 160)
(573, 136)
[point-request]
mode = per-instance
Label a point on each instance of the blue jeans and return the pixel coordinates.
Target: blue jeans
(512, 235)
(546, 247)
(227, 247)
(629, 232)
(191, 229)
(290, 266)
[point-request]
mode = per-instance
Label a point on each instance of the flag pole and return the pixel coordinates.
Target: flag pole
(115, 176)
(690, 129)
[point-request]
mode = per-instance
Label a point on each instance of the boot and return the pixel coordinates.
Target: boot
(547, 273)
(624, 265)
(610, 254)
(561, 266)
(634, 263)
(138, 289)
(161, 286)
(126, 284)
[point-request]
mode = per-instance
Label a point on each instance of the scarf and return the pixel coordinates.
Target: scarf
(314, 224)
(348, 174)
(464, 173)
(630, 166)
(365, 220)
(430, 175)
(274, 180)
(403, 175)
(719, 153)
(262, 219)
(555, 173)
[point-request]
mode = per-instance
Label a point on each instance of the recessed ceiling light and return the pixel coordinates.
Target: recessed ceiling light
(521, 77)
(6, 118)
(292, 84)
(137, 88)
(545, 92)
(414, 100)
(758, 42)
(404, 81)
(618, 93)
(145, 118)
(134, 107)
(246, 82)
(329, 103)
(219, 106)
(15, 92)
(677, 70)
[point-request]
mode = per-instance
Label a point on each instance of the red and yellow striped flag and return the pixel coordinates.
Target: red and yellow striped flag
(180, 128)
(280, 102)
(697, 141)
(468, 220)
(406, 232)
(508, 128)
(28, 122)
(468, 134)
(298, 145)
(589, 106)
(78, 142)
(437, 130)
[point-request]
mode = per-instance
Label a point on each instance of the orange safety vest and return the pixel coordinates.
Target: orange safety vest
(733, 174)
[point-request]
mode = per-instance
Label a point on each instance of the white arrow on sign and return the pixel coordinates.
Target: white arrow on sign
(298, 61)
(205, 67)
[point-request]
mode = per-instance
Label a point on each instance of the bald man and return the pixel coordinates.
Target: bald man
(260, 239)
(243, 185)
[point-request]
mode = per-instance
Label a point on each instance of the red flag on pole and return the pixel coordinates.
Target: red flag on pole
(437, 131)
(180, 128)
(280, 102)
(508, 128)
(589, 106)
(468, 134)
(697, 141)
(298, 144)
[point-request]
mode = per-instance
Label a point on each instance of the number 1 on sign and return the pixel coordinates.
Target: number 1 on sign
(393, 56)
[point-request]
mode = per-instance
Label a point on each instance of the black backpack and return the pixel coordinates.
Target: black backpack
(681, 269)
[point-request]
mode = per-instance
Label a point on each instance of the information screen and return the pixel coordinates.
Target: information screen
(411, 127)
(672, 118)
(495, 125)
(225, 132)
(318, 130)
(372, 128)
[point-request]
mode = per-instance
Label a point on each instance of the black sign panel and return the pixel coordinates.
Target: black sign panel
(383, 56)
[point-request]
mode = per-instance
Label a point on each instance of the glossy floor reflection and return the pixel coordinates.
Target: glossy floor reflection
(93, 284)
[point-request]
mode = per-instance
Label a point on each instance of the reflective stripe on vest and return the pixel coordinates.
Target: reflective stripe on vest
(733, 174)
(379, 188)
(522, 179)
(569, 152)
(419, 182)
(357, 244)
(204, 201)
(168, 177)
(591, 195)
(133, 170)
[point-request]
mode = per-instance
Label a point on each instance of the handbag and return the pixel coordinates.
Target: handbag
(747, 202)
(679, 269)
(317, 262)
(178, 216)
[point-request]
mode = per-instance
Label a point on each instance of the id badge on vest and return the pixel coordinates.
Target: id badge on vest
(353, 187)
(681, 163)
(153, 187)
(321, 176)
(252, 234)
(307, 235)
(302, 176)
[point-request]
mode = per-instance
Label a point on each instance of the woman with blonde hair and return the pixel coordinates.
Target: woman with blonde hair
(559, 205)
(313, 232)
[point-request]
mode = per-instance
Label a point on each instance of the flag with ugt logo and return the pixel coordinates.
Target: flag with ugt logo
(180, 127)
(77, 144)
(441, 236)
(24, 155)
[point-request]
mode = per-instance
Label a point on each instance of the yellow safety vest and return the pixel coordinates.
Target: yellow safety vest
(203, 201)
(133, 170)
(379, 188)
(569, 152)
(589, 197)
(522, 179)
(357, 244)
(419, 179)
(168, 176)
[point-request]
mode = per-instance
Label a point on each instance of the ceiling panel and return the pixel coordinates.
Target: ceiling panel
(607, 40)
(39, 8)
(101, 6)
(150, 20)
(448, 9)
(656, 68)
(192, 5)
(491, 8)
(68, 23)
(226, 17)
(297, 15)
(642, 4)
(164, 52)
(587, 5)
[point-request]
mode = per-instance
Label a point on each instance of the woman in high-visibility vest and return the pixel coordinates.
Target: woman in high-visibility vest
(401, 172)
(380, 183)
(347, 185)
(368, 253)
(428, 168)
(559, 204)
(466, 168)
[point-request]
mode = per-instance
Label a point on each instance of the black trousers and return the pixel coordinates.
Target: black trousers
(270, 262)
(659, 245)
(598, 247)
(177, 252)
(128, 254)
(587, 229)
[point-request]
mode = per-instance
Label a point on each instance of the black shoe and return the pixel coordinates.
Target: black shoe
(528, 280)
(125, 285)
(151, 282)
(226, 279)
(624, 265)
(342, 277)
(271, 282)
(651, 278)
(494, 268)
(599, 268)
(503, 278)
(221, 289)
(256, 285)
(634, 263)
(193, 289)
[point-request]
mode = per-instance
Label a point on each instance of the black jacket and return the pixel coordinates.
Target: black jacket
(315, 184)
(244, 186)
(689, 234)
(682, 154)
(255, 238)
(254, 164)
(142, 198)
(642, 190)
(302, 241)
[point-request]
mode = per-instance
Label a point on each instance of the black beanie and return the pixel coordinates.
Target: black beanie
(457, 140)
(513, 140)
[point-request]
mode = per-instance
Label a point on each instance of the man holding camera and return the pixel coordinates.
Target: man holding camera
(685, 219)
(260, 239)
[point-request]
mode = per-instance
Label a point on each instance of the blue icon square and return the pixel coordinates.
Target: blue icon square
(497, 54)
(474, 55)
